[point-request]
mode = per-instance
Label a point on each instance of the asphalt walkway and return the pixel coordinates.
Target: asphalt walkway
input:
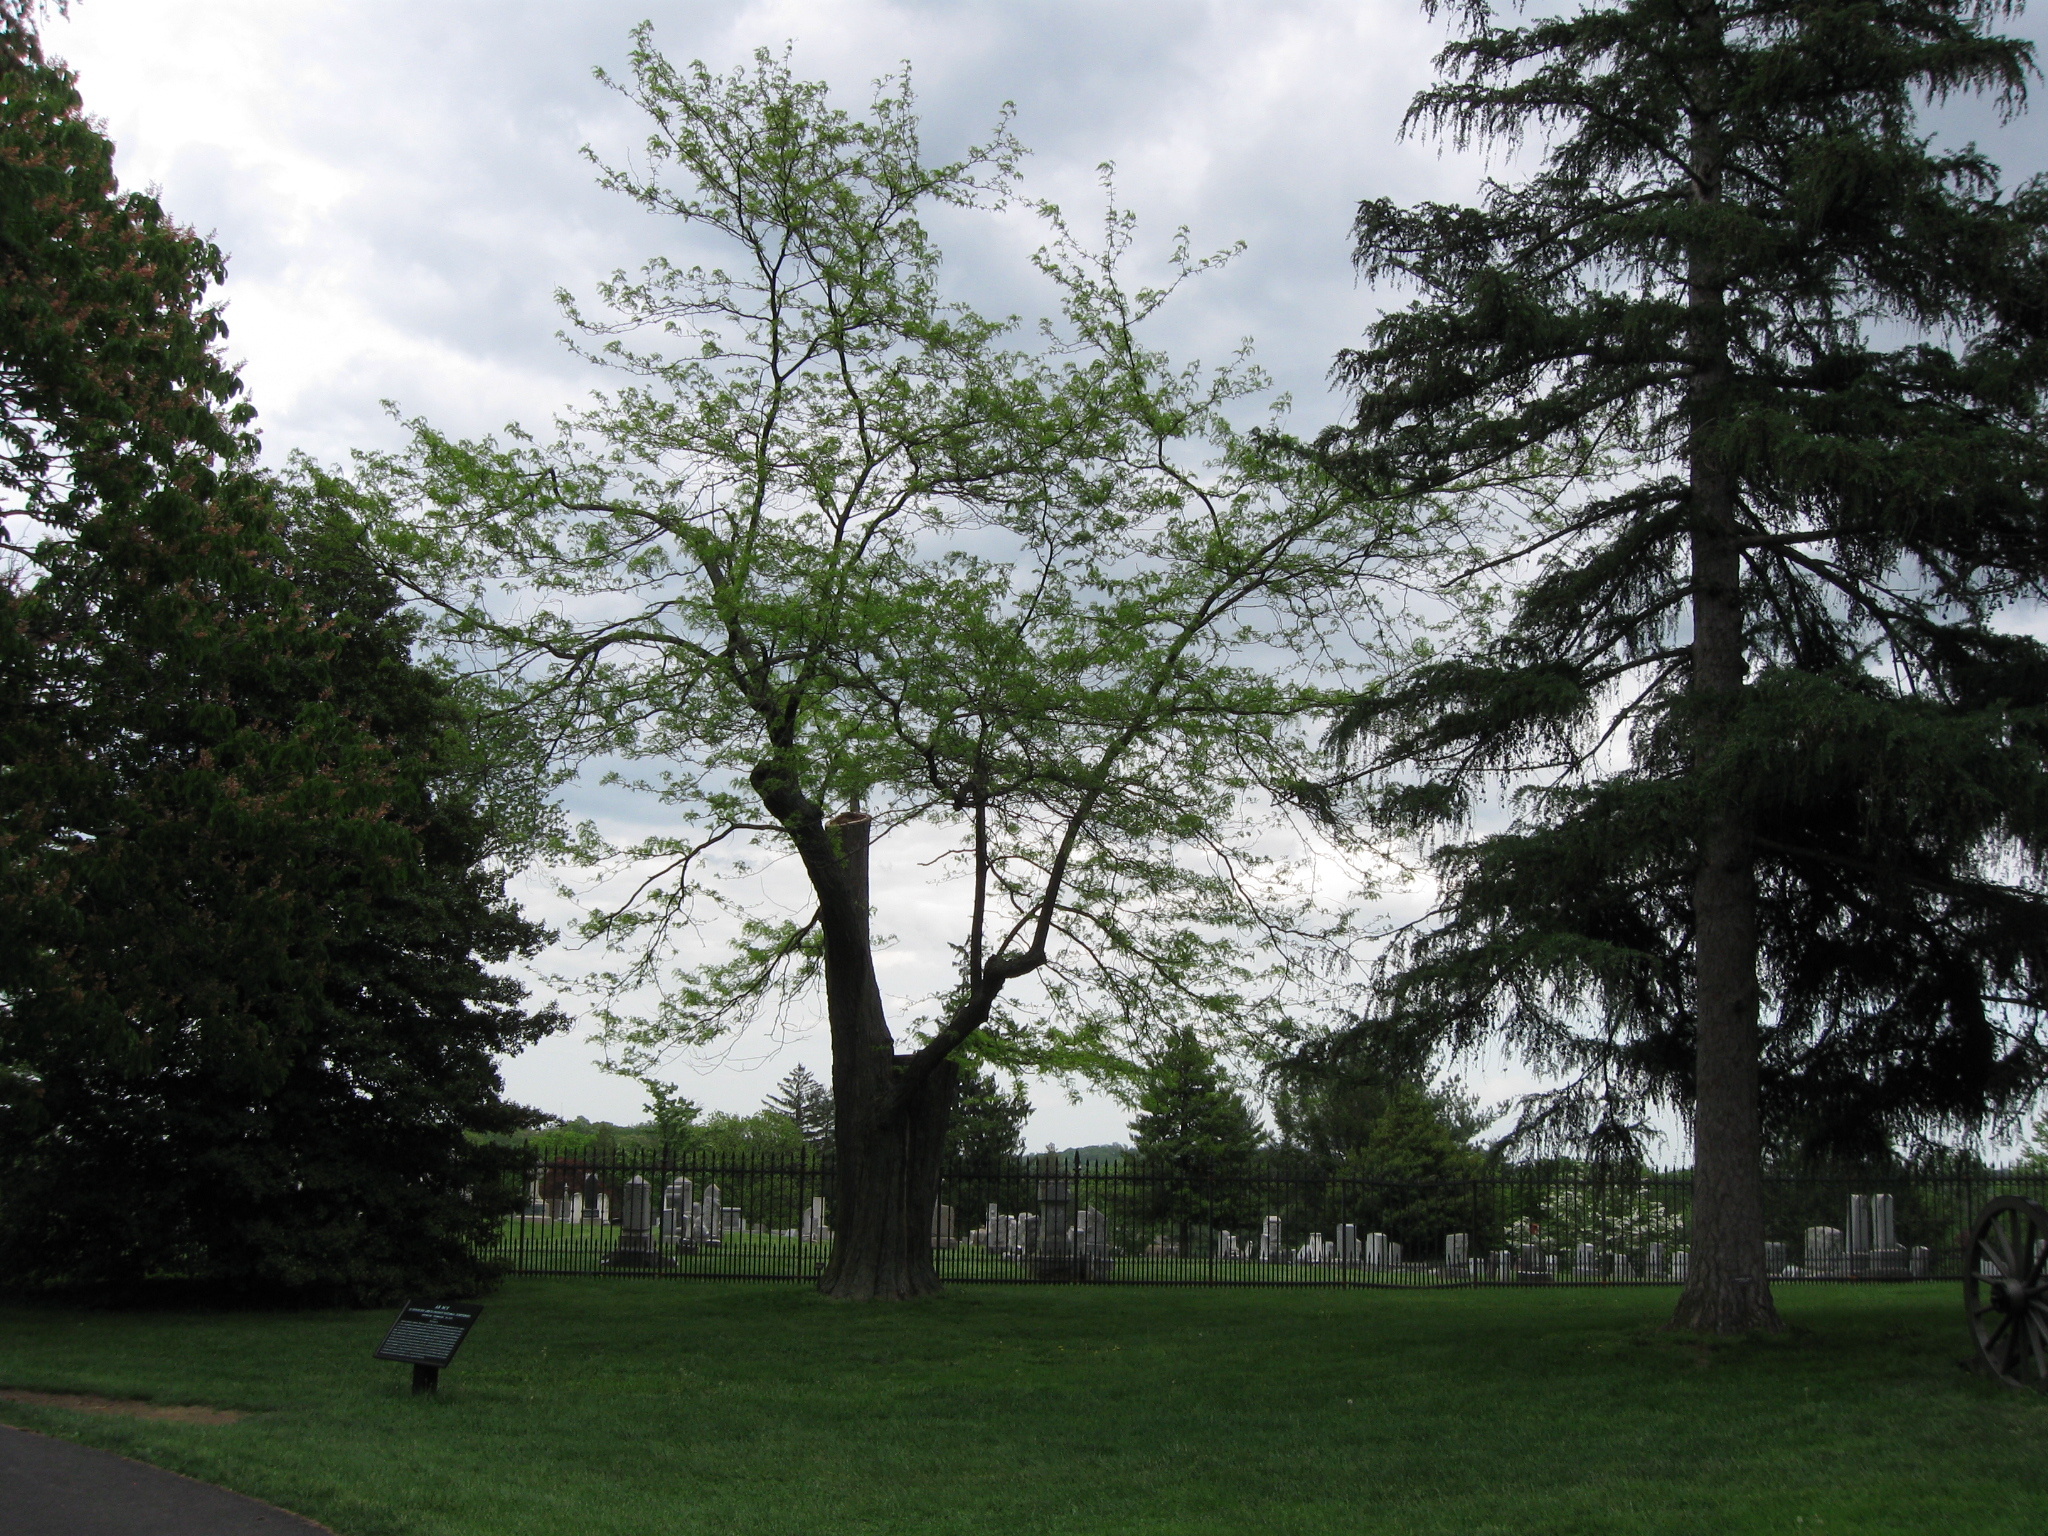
(54, 1488)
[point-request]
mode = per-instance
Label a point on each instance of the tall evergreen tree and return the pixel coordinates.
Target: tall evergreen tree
(1194, 1131)
(988, 1123)
(1749, 376)
(808, 1104)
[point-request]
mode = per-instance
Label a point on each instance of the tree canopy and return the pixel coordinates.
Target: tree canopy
(249, 877)
(843, 560)
(1743, 385)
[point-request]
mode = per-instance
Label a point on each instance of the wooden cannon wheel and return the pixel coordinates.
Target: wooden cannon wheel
(2005, 1292)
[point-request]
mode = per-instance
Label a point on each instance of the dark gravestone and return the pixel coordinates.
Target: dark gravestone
(426, 1336)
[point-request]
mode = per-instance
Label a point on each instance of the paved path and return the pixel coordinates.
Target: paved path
(54, 1488)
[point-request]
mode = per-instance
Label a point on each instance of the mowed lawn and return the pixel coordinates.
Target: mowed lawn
(592, 1407)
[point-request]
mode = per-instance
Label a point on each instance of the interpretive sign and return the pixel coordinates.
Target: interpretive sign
(426, 1336)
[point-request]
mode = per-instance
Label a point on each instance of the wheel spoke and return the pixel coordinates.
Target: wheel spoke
(2015, 1349)
(2037, 1335)
(2000, 1233)
(1991, 1338)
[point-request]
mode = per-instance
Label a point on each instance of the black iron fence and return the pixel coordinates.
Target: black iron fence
(1125, 1223)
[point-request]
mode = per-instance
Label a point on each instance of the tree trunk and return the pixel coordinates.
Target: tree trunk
(1726, 1289)
(888, 1179)
(887, 1144)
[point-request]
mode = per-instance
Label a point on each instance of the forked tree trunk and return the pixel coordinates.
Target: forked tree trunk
(1726, 1289)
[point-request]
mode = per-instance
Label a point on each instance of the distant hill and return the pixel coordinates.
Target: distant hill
(1113, 1152)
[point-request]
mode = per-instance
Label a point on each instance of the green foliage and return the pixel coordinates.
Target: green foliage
(766, 1133)
(988, 1123)
(808, 1103)
(1192, 1128)
(1742, 338)
(1331, 1094)
(837, 540)
(2035, 1158)
(247, 1017)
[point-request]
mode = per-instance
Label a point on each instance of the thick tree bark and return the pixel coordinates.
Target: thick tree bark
(888, 1184)
(1726, 1289)
(887, 1143)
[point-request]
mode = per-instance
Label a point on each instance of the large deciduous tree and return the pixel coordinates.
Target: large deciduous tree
(1747, 374)
(841, 561)
(247, 888)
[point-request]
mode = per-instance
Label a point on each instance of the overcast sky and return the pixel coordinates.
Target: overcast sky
(399, 190)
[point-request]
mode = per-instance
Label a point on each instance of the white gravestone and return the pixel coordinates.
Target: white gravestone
(1454, 1250)
(1859, 1225)
(1271, 1244)
(676, 1202)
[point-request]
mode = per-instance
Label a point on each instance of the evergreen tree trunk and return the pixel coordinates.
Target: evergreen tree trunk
(888, 1143)
(1726, 1290)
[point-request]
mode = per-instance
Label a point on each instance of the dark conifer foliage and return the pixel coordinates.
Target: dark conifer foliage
(1747, 377)
(808, 1104)
(248, 878)
(1193, 1128)
(988, 1120)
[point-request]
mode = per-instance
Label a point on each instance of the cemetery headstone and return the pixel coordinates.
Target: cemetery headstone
(1858, 1225)
(678, 1214)
(1053, 1248)
(1454, 1250)
(1272, 1244)
(1347, 1243)
(1654, 1268)
(710, 1216)
(1823, 1251)
(1681, 1265)
(636, 1248)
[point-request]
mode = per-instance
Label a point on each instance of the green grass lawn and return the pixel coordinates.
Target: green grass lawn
(604, 1407)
